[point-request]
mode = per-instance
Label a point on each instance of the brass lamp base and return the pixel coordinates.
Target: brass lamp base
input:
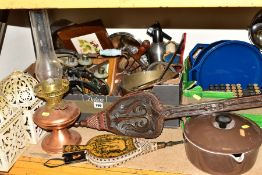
(54, 142)
(57, 120)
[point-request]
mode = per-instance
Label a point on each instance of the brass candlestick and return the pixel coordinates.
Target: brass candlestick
(57, 114)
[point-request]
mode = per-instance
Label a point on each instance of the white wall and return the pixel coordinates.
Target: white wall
(18, 53)
(193, 37)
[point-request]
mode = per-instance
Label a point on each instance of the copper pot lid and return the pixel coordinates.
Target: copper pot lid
(223, 133)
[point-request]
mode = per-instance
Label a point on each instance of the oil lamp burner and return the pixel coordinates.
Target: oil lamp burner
(57, 114)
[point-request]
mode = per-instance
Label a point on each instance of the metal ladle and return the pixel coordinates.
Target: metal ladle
(142, 115)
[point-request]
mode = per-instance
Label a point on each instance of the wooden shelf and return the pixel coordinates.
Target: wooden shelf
(167, 161)
(31, 4)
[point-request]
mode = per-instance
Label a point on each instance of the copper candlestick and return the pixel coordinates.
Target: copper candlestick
(56, 115)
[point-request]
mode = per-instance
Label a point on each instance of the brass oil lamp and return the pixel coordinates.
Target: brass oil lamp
(57, 114)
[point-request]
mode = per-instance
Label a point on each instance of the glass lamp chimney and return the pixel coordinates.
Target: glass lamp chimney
(47, 68)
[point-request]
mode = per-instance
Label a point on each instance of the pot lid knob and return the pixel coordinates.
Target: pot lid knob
(223, 120)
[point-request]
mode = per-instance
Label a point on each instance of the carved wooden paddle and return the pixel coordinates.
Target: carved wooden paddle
(141, 115)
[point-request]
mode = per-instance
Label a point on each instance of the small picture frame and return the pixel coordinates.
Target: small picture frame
(86, 43)
(94, 27)
(90, 37)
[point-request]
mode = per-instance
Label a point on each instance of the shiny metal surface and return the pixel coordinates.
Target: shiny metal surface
(125, 41)
(255, 30)
(56, 115)
(143, 79)
(58, 120)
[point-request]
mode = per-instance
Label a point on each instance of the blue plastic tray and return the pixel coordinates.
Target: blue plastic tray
(226, 61)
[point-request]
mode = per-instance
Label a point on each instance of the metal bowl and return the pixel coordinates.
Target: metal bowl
(255, 30)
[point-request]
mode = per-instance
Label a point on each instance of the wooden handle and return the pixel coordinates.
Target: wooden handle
(113, 62)
(141, 50)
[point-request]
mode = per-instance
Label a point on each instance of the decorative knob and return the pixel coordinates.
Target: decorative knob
(223, 120)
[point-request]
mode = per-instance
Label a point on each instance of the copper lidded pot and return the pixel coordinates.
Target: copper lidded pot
(222, 143)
